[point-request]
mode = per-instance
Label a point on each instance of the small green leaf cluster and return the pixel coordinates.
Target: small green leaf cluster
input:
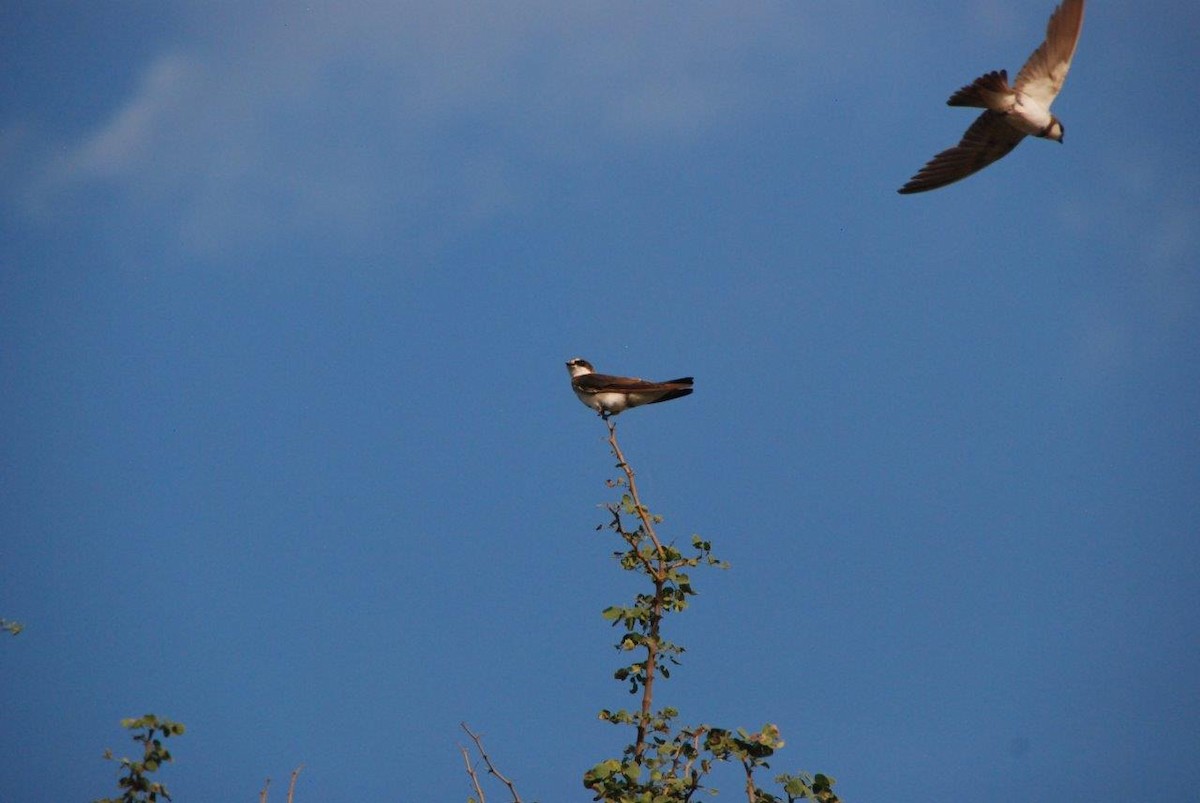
(808, 787)
(11, 627)
(674, 767)
(665, 565)
(135, 782)
(752, 750)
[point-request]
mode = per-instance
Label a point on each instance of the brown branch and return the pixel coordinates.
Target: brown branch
(262, 796)
(696, 737)
(292, 784)
(633, 540)
(751, 789)
(658, 574)
(651, 668)
(647, 527)
(512, 790)
(471, 774)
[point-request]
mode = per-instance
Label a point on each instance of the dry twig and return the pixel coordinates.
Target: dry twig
(292, 784)
(481, 798)
(491, 768)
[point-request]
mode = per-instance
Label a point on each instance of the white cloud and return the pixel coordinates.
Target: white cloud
(130, 134)
(351, 118)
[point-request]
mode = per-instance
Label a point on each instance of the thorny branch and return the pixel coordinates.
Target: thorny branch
(491, 768)
(647, 526)
(481, 798)
(658, 573)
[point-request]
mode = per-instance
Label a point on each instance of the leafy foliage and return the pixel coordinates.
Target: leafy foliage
(11, 627)
(135, 781)
(666, 763)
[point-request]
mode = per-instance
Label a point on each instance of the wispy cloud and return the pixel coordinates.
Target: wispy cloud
(402, 114)
(129, 136)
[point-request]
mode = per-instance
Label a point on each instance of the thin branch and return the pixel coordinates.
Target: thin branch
(658, 574)
(471, 773)
(262, 796)
(696, 737)
(751, 789)
(633, 493)
(512, 790)
(292, 784)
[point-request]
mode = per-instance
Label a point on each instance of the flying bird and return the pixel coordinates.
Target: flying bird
(610, 395)
(1010, 112)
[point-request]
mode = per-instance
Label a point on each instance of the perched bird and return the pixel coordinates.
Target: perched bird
(1011, 112)
(609, 395)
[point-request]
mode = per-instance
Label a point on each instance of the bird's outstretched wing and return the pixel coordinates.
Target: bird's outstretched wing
(989, 138)
(1043, 75)
(990, 91)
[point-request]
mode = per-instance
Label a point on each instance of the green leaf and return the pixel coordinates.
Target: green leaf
(603, 770)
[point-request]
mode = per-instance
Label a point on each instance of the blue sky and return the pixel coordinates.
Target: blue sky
(290, 454)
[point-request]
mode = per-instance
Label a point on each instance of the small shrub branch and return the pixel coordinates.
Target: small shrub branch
(491, 768)
(666, 763)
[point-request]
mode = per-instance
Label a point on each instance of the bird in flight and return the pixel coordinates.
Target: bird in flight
(609, 395)
(1010, 112)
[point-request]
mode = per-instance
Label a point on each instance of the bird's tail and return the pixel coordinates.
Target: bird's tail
(673, 394)
(986, 92)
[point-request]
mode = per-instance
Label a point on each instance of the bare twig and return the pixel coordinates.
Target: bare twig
(512, 790)
(262, 796)
(471, 774)
(292, 784)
